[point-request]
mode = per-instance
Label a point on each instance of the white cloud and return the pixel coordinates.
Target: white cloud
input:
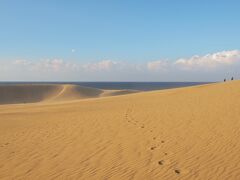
(160, 65)
(209, 67)
(105, 65)
(210, 61)
(54, 65)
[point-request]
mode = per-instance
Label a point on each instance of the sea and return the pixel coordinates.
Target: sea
(142, 86)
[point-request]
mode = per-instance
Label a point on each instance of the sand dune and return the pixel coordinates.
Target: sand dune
(17, 94)
(185, 133)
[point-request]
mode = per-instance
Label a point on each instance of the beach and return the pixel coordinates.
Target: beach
(68, 132)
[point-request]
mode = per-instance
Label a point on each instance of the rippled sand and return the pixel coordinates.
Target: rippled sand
(184, 133)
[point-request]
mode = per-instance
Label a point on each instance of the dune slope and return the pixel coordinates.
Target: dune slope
(185, 133)
(17, 94)
(12, 94)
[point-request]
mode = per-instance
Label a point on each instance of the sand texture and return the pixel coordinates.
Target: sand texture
(184, 133)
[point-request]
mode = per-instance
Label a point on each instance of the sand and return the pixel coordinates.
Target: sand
(32, 93)
(184, 133)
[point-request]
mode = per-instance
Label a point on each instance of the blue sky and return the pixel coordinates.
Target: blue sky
(134, 32)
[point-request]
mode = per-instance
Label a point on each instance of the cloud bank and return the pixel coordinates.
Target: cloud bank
(210, 67)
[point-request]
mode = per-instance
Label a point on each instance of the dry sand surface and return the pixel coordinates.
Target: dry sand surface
(184, 133)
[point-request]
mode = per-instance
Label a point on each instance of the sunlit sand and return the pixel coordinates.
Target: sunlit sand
(50, 131)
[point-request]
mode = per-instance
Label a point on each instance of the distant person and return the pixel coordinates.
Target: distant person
(231, 78)
(224, 80)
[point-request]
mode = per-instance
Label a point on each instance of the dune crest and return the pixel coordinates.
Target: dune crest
(17, 94)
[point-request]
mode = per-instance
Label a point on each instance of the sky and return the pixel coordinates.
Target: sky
(108, 40)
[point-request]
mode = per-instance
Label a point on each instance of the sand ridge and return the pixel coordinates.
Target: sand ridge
(32, 93)
(185, 133)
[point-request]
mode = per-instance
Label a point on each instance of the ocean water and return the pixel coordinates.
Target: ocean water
(142, 86)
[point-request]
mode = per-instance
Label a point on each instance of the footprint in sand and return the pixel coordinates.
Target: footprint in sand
(177, 171)
(161, 162)
(162, 141)
(154, 147)
(142, 126)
